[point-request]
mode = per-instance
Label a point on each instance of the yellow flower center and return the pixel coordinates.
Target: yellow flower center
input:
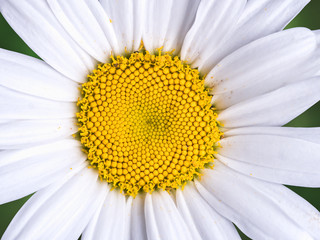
(146, 122)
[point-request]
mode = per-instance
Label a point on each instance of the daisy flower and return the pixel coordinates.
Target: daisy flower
(159, 119)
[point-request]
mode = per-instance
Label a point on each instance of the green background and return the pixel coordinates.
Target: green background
(309, 17)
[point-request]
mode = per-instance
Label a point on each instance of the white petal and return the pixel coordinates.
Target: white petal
(127, 19)
(183, 13)
(275, 108)
(157, 22)
(269, 150)
(187, 215)
(25, 171)
(215, 21)
(163, 220)
(127, 231)
(138, 222)
(4, 121)
(26, 213)
(38, 27)
(150, 219)
(277, 159)
(60, 211)
(306, 69)
(29, 152)
(272, 174)
(104, 21)
(317, 33)
(307, 134)
(24, 133)
(112, 217)
(80, 22)
(167, 23)
(120, 15)
(263, 66)
(209, 223)
(138, 25)
(259, 19)
(32, 76)
(89, 231)
(261, 210)
(15, 105)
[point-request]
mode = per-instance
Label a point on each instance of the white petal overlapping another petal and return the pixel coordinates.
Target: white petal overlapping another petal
(25, 171)
(110, 220)
(60, 211)
(87, 33)
(167, 23)
(214, 23)
(16, 105)
(261, 210)
(307, 134)
(199, 215)
(47, 38)
(163, 221)
(274, 158)
(34, 77)
(263, 66)
(259, 19)
(127, 18)
(138, 220)
(275, 108)
(20, 134)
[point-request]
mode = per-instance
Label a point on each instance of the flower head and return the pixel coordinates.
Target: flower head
(159, 120)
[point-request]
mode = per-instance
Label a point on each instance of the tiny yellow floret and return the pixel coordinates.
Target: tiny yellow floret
(146, 122)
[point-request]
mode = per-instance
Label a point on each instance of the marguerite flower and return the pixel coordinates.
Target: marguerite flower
(175, 132)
